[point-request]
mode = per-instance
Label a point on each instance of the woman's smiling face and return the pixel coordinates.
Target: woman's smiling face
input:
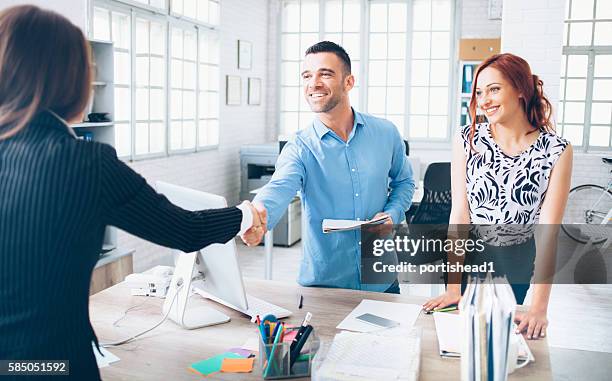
(496, 97)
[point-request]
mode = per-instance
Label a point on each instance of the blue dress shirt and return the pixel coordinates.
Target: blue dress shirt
(340, 180)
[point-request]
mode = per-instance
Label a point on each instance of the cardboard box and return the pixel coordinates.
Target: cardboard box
(477, 49)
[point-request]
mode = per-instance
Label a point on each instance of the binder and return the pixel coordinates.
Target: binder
(487, 313)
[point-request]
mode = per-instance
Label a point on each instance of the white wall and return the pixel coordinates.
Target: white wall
(533, 29)
(74, 10)
(475, 21)
(218, 171)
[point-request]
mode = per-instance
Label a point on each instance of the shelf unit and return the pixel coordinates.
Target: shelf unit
(103, 101)
(467, 69)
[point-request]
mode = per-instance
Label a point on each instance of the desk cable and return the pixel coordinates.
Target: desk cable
(121, 342)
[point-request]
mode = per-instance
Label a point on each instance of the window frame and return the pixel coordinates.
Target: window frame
(136, 10)
(453, 100)
(591, 51)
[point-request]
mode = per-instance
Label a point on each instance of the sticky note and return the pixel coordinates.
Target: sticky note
(289, 336)
(237, 365)
(212, 364)
(240, 351)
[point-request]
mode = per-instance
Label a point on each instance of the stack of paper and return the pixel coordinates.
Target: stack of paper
(487, 315)
(330, 226)
(366, 356)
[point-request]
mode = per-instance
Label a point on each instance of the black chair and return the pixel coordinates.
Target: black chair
(435, 206)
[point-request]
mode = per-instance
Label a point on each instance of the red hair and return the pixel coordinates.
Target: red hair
(533, 101)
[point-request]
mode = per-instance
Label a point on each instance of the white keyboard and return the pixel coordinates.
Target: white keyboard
(263, 308)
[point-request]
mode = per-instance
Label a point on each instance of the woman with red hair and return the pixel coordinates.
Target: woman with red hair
(511, 170)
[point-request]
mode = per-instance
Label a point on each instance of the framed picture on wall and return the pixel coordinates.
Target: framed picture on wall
(245, 54)
(254, 96)
(233, 90)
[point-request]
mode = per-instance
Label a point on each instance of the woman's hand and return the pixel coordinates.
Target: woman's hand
(533, 321)
(444, 300)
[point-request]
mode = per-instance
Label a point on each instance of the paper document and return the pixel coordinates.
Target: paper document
(343, 225)
(405, 314)
(107, 359)
(364, 356)
(449, 332)
(450, 335)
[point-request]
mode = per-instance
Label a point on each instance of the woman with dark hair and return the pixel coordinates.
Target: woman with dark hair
(512, 170)
(57, 195)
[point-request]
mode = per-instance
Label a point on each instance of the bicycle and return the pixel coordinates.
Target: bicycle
(589, 206)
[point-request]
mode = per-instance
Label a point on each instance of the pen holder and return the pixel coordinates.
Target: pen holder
(279, 359)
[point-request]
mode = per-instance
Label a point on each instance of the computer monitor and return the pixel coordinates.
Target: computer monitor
(212, 271)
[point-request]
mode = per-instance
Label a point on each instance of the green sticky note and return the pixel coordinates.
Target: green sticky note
(213, 364)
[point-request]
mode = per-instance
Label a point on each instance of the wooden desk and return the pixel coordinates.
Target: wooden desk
(167, 352)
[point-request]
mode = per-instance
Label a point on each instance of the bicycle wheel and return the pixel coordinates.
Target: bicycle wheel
(587, 206)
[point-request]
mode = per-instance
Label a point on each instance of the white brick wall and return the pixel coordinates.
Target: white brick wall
(533, 29)
(475, 21)
(218, 171)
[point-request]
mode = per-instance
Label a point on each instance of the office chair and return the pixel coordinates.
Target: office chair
(435, 206)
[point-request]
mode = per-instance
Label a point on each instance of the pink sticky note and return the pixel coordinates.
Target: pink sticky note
(289, 336)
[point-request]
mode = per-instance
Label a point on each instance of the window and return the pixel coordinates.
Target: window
(342, 26)
(153, 3)
(150, 87)
(168, 69)
(387, 61)
(584, 115)
(430, 70)
(206, 11)
(183, 89)
(115, 26)
(208, 109)
(406, 59)
(300, 29)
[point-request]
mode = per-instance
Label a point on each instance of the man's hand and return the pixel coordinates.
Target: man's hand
(263, 213)
(534, 322)
(255, 234)
(386, 228)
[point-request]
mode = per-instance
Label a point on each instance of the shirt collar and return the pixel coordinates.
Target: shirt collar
(321, 129)
(60, 119)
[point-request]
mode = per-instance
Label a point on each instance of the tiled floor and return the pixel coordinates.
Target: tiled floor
(580, 316)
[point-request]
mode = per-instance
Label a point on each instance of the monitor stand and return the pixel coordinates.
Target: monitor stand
(178, 296)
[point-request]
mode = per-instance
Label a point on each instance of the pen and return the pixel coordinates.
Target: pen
(294, 351)
(447, 309)
(271, 357)
(300, 301)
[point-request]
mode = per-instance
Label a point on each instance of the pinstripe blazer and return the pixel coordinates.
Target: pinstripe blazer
(57, 194)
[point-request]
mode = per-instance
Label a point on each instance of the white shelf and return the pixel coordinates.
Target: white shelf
(99, 83)
(92, 124)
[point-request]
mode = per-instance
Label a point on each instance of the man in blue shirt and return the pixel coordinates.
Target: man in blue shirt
(344, 164)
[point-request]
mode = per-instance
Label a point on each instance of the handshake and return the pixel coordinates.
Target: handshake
(256, 232)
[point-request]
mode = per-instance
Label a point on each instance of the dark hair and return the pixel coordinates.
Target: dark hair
(45, 64)
(331, 47)
(533, 101)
